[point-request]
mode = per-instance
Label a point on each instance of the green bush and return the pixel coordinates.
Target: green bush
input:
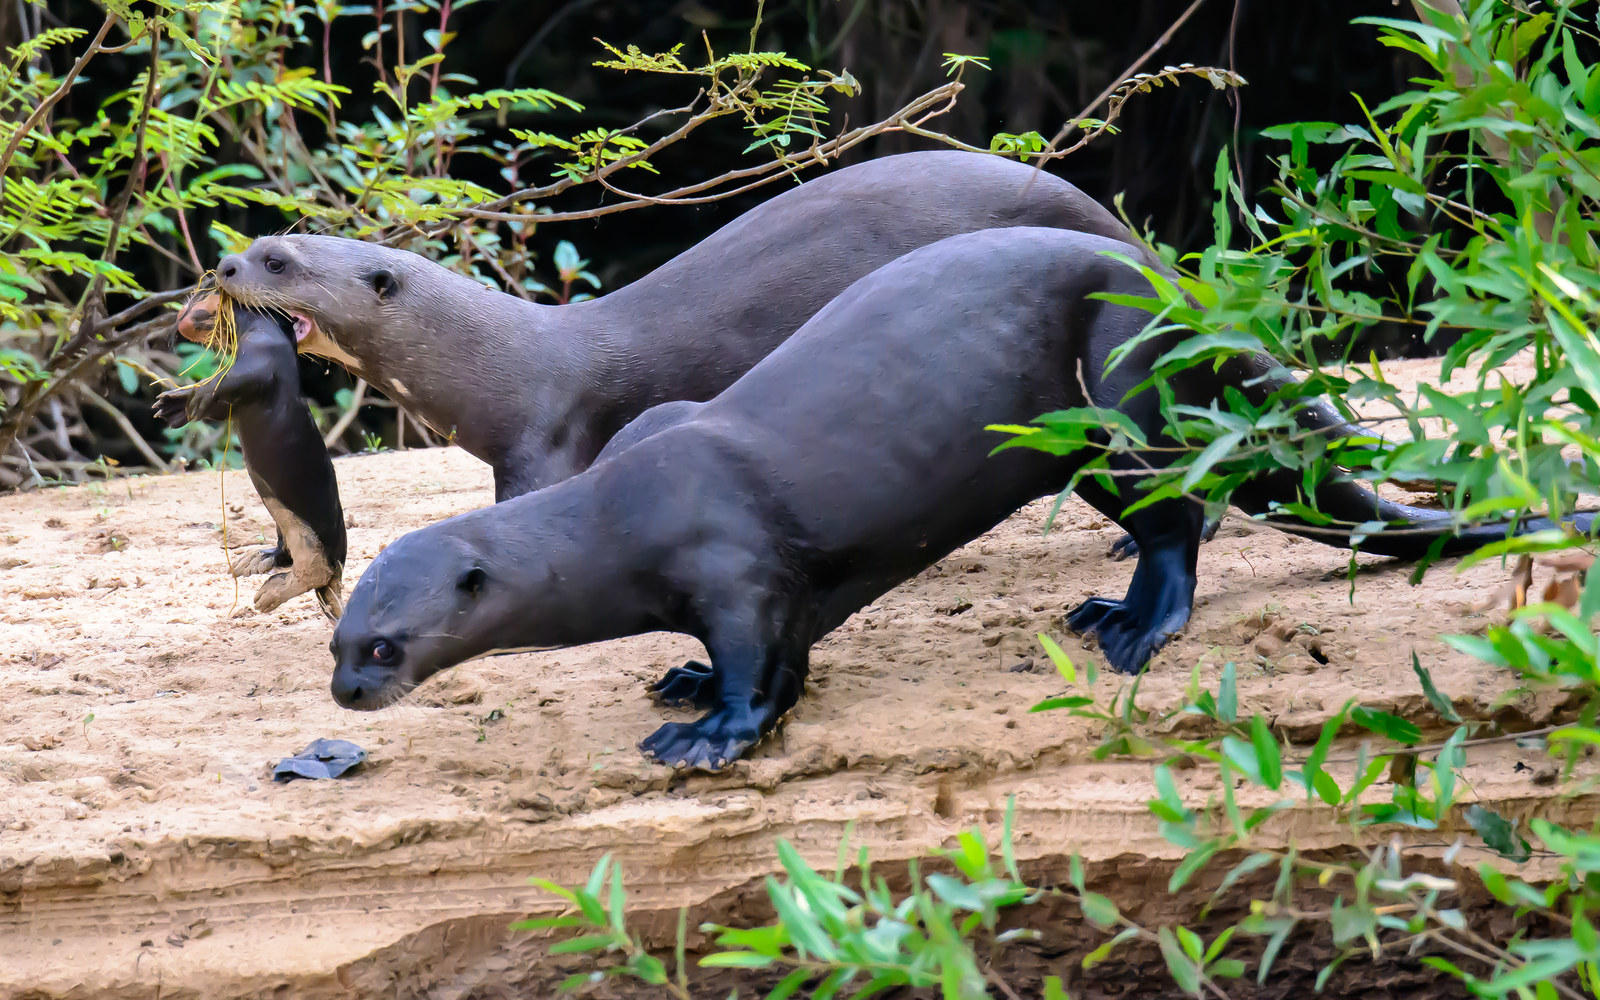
(228, 110)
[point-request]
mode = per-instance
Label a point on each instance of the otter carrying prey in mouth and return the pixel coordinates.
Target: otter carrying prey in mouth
(537, 390)
(846, 462)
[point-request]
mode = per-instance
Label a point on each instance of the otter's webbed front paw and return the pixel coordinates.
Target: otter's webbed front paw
(1127, 638)
(694, 683)
(709, 744)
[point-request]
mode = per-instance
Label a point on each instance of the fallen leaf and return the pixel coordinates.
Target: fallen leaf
(1566, 591)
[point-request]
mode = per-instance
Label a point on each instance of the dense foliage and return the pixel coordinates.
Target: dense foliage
(225, 111)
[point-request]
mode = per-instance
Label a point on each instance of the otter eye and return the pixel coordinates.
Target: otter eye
(275, 265)
(472, 581)
(383, 283)
(383, 652)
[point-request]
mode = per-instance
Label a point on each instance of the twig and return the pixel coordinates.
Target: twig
(23, 412)
(1431, 747)
(763, 174)
(93, 300)
(126, 426)
(56, 95)
(347, 417)
(512, 285)
(1118, 80)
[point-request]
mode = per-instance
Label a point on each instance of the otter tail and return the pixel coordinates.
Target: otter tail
(1411, 531)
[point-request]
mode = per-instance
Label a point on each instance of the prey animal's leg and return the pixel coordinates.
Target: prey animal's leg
(1161, 593)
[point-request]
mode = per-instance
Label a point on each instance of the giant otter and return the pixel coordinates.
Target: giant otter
(537, 390)
(841, 465)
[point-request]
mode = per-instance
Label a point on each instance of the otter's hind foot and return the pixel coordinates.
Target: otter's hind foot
(252, 562)
(709, 744)
(694, 683)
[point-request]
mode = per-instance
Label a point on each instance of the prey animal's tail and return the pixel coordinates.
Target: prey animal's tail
(1411, 531)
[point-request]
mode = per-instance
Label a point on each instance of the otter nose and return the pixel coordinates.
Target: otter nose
(229, 266)
(347, 686)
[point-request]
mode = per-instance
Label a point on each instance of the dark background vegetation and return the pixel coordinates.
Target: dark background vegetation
(1303, 60)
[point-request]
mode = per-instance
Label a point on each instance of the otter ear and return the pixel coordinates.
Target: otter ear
(471, 582)
(383, 283)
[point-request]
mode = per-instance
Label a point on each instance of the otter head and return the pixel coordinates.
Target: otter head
(338, 285)
(434, 598)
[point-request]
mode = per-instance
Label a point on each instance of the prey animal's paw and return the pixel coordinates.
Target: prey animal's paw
(251, 562)
(1126, 638)
(173, 406)
(694, 683)
(280, 587)
(709, 744)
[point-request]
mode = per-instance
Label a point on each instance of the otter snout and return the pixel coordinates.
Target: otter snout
(369, 671)
(364, 689)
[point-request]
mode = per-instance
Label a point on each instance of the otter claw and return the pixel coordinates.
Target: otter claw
(706, 744)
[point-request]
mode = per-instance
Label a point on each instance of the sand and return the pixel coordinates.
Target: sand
(144, 850)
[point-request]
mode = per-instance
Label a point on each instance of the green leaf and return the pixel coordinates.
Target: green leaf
(1228, 694)
(1445, 769)
(1269, 954)
(1563, 956)
(1440, 703)
(618, 901)
(1196, 860)
(1268, 761)
(736, 960)
(1495, 883)
(1059, 657)
(584, 942)
(592, 910)
(597, 876)
(1182, 968)
(789, 984)
(1099, 910)
(1384, 724)
(1101, 953)
(957, 894)
(650, 969)
(1049, 704)
(1214, 452)
(1497, 832)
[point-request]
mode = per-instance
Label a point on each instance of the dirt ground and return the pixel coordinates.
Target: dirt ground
(144, 850)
